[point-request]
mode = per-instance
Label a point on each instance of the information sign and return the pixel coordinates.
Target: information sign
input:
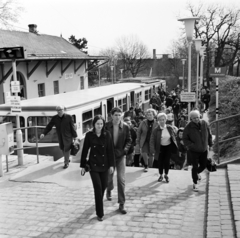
(218, 71)
(15, 86)
(15, 102)
(188, 97)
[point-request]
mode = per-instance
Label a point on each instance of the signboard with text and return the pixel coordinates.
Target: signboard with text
(15, 102)
(15, 86)
(188, 97)
(217, 71)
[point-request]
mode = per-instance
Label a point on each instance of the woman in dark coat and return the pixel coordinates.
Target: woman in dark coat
(162, 144)
(101, 158)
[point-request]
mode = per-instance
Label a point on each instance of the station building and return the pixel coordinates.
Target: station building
(51, 65)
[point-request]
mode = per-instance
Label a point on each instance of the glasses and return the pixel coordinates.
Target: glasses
(59, 110)
(194, 118)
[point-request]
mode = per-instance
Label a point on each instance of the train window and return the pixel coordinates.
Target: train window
(98, 111)
(74, 118)
(124, 104)
(4, 119)
(147, 94)
(139, 97)
(51, 137)
(87, 118)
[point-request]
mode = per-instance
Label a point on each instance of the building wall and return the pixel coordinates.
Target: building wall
(68, 82)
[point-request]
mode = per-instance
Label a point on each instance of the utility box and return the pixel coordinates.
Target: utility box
(6, 139)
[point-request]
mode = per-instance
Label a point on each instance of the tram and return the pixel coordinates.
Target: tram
(83, 105)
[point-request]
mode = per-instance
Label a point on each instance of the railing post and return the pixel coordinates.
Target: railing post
(7, 162)
(217, 141)
(37, 152)
(1, 167)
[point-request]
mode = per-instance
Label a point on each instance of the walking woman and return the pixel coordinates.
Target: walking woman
(143, 137)
(162, 144)
(101, 158)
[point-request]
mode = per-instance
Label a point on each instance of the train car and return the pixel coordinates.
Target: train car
(82, 105)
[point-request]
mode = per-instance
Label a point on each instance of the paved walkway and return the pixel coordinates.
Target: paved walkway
(44, 200)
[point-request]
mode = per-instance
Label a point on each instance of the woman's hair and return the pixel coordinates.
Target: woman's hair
(95, 119)
(180, 130)
(153, 111)
(161, 114)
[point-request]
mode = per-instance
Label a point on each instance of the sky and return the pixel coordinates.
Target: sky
(102, 22)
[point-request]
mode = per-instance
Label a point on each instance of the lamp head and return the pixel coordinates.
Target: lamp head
(183, 61)
(189, 25)
(198, 44)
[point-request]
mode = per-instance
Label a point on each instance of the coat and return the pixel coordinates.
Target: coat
(142, 132)
(197, 139)
(124, 139)
(65, 130)
(101, 155)
(155, 141)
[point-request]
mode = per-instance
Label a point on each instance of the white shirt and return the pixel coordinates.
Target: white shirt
(166, 138)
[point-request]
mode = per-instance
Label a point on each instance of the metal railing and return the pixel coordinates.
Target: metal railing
(29, 147)
(217, 134)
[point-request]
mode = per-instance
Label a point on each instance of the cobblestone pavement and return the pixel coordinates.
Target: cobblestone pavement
(40, 203)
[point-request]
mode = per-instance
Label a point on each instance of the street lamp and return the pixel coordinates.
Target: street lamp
(121, 70)
(198, 44)
(112, 67)
(202, 49)
(189, 25)
(183, 63)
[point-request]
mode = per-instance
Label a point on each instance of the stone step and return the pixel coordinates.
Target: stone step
(233, 171)
(220, 222)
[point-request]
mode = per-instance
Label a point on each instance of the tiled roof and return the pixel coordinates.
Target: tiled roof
(40, 45)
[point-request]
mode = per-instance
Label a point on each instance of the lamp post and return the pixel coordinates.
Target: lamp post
(202, 49)
(121, 70)
(183, 63)
(189, 25)
(198, 44)
(112, 67)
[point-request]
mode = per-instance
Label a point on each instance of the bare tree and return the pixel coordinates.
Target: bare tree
(132, 54)
(218, 27)
(9, 13)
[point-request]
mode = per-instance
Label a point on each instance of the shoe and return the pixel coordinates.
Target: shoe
(160, 178)
(100, 218)
(121, 209)
(166, 178)
(65, 166)
(199, 178)
(109, 196)
(195, 187)
(146, 169)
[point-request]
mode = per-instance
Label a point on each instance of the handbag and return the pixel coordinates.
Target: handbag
(211, 165)
(87, 169)
(75, 147)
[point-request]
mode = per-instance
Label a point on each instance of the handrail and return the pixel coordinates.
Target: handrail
(217, 133)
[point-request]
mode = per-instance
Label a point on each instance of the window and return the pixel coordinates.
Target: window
(41, 90)
(51, 137)
(147, 94)
(139, 97)
(56, 87)
(98, 111)
(82, 82)
(122, 103)
(4, 119)
(87, 118)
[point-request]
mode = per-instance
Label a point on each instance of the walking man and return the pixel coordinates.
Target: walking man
(65, 131)
(197, 137)
(120, 132)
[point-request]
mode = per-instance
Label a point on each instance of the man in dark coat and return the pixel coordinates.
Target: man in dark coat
(65, 131)
(122, 141)
(197, 138)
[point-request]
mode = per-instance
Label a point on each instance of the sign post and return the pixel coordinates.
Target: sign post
(217, 72)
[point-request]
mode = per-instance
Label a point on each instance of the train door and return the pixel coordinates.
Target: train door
(132, 98)
(110, 105)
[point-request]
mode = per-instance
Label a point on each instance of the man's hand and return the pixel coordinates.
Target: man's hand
(41, 136)
(83, 171)
(111, 170)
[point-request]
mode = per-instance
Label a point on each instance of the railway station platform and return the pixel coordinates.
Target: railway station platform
(44, 200)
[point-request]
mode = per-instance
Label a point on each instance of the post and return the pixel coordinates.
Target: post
(18, 132)
(217, 123)
(7, 162)
(197, 79)
(183, 78)
(37, 152)
(112, 67)
(189, 76)
(99, 79)
(1, 167)
(201, 76)
(121, 73)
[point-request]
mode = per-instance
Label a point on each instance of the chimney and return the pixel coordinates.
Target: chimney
(154, 54)
(32, 28)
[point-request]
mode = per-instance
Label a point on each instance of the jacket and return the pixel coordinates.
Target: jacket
(65, 130)
(101, 155)
(197, 139)
(124, 139)
(142, 132)
(155, 141)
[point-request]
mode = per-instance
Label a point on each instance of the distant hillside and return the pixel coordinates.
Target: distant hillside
(229, 104)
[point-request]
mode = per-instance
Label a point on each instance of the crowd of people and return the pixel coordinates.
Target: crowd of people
(161, 138)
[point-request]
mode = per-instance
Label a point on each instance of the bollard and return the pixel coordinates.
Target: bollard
(1, 167)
